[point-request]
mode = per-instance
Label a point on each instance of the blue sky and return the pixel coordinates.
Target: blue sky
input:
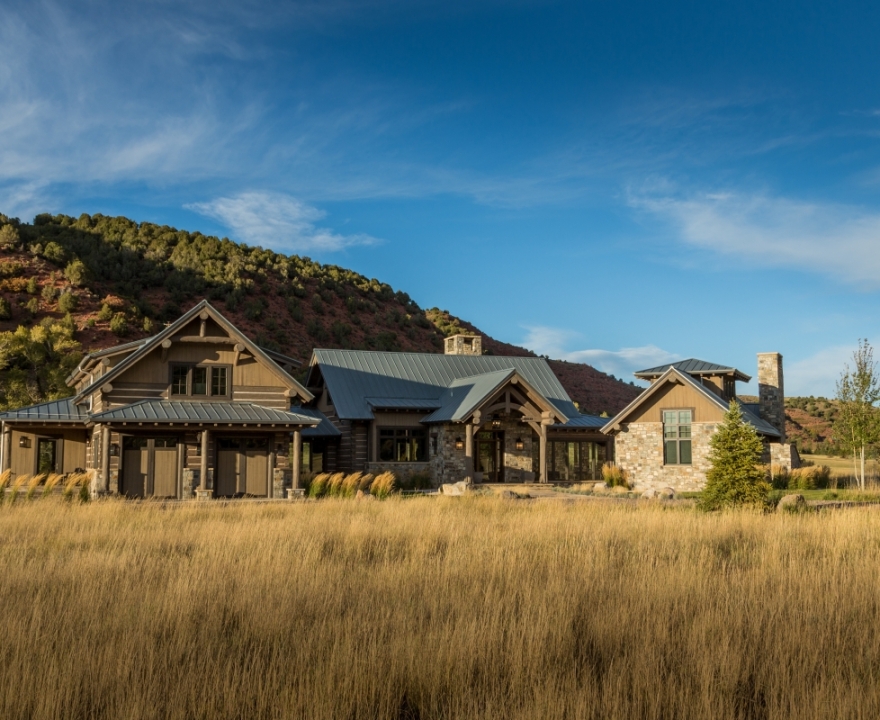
(621, 183)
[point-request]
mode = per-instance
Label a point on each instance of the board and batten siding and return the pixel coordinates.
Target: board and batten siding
(675, 396)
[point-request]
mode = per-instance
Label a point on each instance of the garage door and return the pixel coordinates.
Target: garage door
(242, 467)
(149, 467)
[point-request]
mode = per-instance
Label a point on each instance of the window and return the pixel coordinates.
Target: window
(729, 388)
(218, 381)
(46, 456)
(677, 437)
(402, 445)
(200, 380)
(571, 460)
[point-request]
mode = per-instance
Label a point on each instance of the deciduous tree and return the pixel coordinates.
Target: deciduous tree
(857, 426)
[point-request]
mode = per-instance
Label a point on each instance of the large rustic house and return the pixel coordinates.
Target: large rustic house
(197, 409)
(450, 416)
(662, 437)
(201, 410)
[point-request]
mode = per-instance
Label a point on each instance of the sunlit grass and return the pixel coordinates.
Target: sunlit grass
(435, 608)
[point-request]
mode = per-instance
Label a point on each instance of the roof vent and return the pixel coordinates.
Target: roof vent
(464, 345)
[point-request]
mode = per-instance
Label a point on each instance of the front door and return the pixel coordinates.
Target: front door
(47, 456)
(489, 458)
(149, 466)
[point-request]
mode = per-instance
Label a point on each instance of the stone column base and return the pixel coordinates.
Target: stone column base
(296, 493)
(204, 494)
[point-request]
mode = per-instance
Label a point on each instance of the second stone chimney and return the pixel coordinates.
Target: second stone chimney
(771, 393)
(463, 345)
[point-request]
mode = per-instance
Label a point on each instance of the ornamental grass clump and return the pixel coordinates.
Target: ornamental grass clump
(811, 477)
(366, 481)
(350, 485)
(32, 485)
(614, 476)
(334, 484)
(51, 483)
(16, 487)
(318, 485)
(735, 477)
(384, 485)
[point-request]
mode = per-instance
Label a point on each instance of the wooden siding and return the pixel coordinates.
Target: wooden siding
(72, 450)
(676, 396)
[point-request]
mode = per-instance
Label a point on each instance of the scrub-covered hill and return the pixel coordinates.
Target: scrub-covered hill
(72, 284)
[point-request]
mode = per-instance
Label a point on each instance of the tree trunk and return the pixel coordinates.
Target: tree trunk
(862, 479)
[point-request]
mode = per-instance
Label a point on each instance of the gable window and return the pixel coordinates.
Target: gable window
(677, 437)
(200, 381)
(402, 445)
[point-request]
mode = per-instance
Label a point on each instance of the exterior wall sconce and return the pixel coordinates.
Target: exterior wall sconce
(496, 423)
(114, 449)
(459, 444)
(519, 444)
(24, 441)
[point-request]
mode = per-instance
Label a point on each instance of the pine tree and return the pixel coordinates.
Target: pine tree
(735, 477)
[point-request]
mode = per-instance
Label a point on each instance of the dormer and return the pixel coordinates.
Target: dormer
(720, 379)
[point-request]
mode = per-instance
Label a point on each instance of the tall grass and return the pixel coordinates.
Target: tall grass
(436, 608)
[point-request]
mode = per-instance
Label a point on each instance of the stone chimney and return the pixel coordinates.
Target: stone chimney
(771, 393)
(464, 345)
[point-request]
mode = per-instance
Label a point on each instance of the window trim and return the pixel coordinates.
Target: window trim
(678, 440)
(209, 381)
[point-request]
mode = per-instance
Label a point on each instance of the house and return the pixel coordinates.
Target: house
(450, 416)
(662, 437)
(197, 409)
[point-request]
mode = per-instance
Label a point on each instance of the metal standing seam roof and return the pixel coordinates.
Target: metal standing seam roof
(324, 428)
(464, 394)
(198, 412)
(56, 411)
(352, 376)
(693, 366)
(581, 422)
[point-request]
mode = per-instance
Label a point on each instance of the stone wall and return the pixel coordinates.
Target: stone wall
(638, 449)
(446, 463)
(403, 470)
(784, 454)
(771, 390)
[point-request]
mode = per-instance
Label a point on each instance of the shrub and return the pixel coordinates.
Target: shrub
(53, 252)
(32, 286)
(15, 284)
(105, 314)
(10, 269)
(49, 293)
(5, 309)
(778, 476)
(148, 325)
(119, 325)
(67, 302)
(350, 484)
(76, 273)
(614, 476)
(416, 481)
(9, 237)
(33, 306)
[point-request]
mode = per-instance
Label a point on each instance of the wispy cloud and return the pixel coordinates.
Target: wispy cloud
(817, 374)
(277, 221)
(832, 239)
(621, 363)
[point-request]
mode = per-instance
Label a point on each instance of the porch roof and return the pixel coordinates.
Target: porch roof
(324, 428)
(465, 394)
(582, 422)
(54, 411)
(203, 412)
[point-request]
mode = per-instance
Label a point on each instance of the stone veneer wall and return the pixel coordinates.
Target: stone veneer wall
(448, 465)
(784, 454)
(638, 449)
(403, 470)
(771, 390)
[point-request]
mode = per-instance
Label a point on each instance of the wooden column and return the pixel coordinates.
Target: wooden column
(543, 453)
(270, 481)
(105, 459)
(5, 448)
(297, 460)
(469, 452)
(203, 467)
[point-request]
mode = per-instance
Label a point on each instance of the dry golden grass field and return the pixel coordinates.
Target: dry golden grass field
(436, 608)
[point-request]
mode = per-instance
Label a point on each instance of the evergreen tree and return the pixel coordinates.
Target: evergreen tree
(735, 477)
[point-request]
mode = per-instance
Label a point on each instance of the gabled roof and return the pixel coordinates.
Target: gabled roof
(200, 412)
(152, 343)
(55, 411)
(692, 366)
(761, 425)
(324, 428)
(352, 376)
(582, 422)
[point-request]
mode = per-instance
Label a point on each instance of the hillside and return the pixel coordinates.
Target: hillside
(70, 284)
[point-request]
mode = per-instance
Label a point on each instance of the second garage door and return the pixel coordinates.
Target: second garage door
(242, 467)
